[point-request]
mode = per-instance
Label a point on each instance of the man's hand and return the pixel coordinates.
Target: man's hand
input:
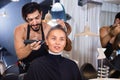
(114, 30)
(61, 22)
(35, 45)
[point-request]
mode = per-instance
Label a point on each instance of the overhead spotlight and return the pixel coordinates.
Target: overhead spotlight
(3, 14)
(15, 0)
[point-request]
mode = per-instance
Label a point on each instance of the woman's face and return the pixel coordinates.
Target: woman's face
(56, 41)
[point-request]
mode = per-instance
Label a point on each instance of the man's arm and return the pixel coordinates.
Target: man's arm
(21, 49)
(108, 34)
(104, 36)
(65, 25)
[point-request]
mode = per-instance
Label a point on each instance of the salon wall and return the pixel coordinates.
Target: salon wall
(84, 48)
(7, 25)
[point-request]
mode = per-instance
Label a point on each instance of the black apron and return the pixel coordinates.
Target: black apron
(25, 63)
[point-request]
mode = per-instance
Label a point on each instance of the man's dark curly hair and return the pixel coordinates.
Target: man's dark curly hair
(30, 8)
(117, 15)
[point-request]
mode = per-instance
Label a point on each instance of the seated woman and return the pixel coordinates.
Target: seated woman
(53, 66)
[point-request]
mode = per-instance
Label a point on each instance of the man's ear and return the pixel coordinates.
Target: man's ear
(41, 12)
(118, 21)
(46, 42)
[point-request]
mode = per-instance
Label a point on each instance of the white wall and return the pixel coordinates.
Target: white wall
(84, 48)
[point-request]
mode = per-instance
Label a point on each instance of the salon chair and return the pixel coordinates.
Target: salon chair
(11, 76)
(12, 69)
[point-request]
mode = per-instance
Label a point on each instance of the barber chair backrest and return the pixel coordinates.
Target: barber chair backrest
(11, 69)
(10, 77)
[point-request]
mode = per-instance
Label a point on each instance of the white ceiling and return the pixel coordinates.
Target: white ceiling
(113, 1)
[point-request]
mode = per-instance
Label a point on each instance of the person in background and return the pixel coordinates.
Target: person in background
(108, 34)
(33, 29)
(115, 56)
(53, 66)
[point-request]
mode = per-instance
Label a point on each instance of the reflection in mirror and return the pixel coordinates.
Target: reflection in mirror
(107, 16)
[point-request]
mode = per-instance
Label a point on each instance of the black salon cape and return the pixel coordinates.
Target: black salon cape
(53, 67)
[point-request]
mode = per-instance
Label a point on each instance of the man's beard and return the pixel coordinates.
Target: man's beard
(35, 29)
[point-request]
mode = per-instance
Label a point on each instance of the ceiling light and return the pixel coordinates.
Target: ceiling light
(15, 0)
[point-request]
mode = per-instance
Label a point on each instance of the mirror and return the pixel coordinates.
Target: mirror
(107, 16)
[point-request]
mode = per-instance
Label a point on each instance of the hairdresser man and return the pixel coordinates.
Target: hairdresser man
(33, 29)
